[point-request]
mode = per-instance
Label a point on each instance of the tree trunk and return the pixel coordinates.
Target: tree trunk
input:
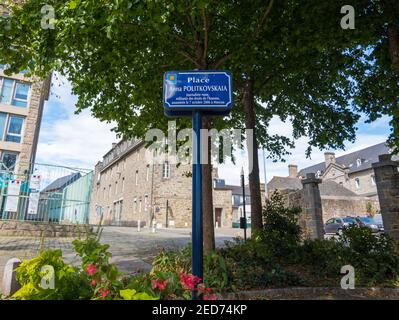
(207, 197)
(393, 38)
(252, 145)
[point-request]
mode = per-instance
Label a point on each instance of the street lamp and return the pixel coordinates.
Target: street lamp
(243, 220)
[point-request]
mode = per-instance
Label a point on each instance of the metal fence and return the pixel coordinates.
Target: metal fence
(49, 193)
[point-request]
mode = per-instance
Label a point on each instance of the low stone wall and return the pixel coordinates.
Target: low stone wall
(37, 229)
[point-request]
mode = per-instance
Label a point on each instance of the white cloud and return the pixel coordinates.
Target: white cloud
(70, 139)
(231, 172)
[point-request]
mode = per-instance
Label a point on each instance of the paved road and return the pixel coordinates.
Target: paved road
(131, 250)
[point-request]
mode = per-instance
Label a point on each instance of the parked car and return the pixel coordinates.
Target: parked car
(378, 220)
(337, 225)
(367, 222)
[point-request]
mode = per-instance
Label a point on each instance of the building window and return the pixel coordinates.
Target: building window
(359, 162)
(14, 129)
(116, 187)
(8, 160)
(123, 184)
(318, 174)
(372, 180)
(357, 183)
(134, 205)
(109, 192)
(104, 193)
(166, 170)
(137, 177)
(147, 175)
(14, 92)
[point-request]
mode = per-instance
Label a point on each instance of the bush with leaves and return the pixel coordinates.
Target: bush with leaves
(69, 282)
(281, 231)
(374, 257)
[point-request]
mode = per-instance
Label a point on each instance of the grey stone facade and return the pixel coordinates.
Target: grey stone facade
(25, 149)
(387, 179)
(131, 188)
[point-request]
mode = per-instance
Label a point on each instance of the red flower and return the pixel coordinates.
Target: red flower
(93, 283)
(91, 269)
(103, 292)
(210, 297)
(189, 281)
(161, 285)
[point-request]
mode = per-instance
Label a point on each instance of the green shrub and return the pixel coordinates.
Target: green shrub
(69, 282)
(281, 232)
(324, 256)
(374, 257)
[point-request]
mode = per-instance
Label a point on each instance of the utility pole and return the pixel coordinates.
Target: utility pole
(243, 222)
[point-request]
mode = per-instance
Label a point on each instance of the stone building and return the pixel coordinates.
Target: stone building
(21, 107)
(347, 188)
(353, 171)
(130, 188)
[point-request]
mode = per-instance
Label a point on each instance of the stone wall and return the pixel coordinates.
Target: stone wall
(387, 179)
(34, 229)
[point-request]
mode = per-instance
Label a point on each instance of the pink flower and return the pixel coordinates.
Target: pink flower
(161, 285)
(91, 269)
(210, 297)
(189, 281)
(93, 283)
(103, 292)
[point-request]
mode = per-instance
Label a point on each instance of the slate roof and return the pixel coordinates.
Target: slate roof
(367, 155)
(327, 187)
(62, 182)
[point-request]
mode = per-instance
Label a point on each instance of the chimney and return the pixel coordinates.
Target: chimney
(293, 170)
(329, 158)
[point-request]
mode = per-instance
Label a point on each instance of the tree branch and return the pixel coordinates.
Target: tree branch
(253, 37)
(189, 58)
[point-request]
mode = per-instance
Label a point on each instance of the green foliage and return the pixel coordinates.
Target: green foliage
(69, 282)
(375, 258)
(173, 261)
(216, 271)
(281, 232)
(325, 256)
(131, 294)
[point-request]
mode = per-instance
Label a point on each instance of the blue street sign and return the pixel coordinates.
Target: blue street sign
(197, 93)
(208, 90)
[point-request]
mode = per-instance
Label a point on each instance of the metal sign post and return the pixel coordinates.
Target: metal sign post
(194, 94)
(197, 228)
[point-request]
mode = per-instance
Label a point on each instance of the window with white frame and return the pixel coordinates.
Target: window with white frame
(137, 177)
(123, 184)
(14, 92)
(116, 187)
(11, 127)
(166, 170)
(357, 183)
(8, 160)
(359, 162)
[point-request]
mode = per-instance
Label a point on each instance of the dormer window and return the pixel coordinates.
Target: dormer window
(318, 174)
(359, 162)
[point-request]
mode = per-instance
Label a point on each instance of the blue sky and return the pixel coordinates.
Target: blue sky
(81, 140)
